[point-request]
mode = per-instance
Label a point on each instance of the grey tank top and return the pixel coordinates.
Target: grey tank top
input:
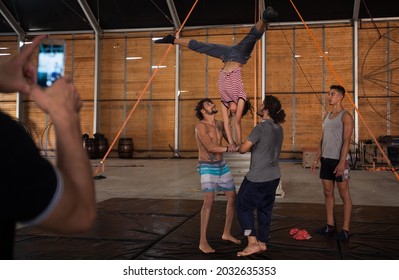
(332, 136)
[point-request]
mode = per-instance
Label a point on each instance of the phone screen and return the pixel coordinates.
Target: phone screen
(51, 63)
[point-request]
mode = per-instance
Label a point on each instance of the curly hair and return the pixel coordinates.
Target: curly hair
(200, 106)
(273, 105)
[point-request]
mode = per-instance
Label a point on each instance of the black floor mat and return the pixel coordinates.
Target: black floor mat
(128, 228)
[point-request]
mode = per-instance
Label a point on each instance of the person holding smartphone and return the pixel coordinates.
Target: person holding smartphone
(60, 197)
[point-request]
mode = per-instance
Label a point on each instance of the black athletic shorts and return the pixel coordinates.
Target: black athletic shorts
(327, 168)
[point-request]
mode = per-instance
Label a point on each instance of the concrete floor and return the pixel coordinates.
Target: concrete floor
(178, 179)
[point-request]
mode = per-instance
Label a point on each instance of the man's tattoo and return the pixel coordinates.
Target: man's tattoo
(212, 157)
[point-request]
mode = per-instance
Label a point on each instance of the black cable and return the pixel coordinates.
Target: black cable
(372, 20)
(165, 15)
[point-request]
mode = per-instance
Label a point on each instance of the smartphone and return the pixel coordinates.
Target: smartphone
(51, 61)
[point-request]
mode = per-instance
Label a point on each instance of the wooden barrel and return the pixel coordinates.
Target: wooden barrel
(103, 147)
(91, 145)
(125, 148)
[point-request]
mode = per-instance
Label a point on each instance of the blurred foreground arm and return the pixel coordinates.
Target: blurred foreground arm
(76, 209)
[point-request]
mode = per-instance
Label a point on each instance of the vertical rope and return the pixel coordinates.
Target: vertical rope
(258, 57)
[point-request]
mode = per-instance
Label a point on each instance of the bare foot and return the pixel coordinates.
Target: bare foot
(249, 250)
(206, 249)
(231, 239)
(262, 246)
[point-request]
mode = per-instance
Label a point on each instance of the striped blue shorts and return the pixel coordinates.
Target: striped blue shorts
(215, 176)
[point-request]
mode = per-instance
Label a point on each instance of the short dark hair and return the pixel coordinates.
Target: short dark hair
(339, 88)
(200, 106)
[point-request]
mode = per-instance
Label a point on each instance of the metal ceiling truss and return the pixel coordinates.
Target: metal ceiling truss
(12, 21)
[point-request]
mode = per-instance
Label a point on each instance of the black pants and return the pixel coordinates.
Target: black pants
(259, 196)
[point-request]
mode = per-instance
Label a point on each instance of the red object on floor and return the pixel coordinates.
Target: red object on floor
(300, 234)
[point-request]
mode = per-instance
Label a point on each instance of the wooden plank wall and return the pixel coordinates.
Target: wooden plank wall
(296, 74)
(379, 89)
(9, 48)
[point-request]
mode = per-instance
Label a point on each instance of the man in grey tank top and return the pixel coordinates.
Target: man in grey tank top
(333, 156)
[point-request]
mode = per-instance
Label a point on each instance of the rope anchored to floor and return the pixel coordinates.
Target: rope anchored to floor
(102, 165)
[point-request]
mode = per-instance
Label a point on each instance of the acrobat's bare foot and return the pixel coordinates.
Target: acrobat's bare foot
(231, 239)
(249, 250)
(206, 249)
(262, 246)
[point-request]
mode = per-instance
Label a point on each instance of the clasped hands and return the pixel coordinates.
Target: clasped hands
(232, 147)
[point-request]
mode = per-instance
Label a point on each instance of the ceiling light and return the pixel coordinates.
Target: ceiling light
(25, 43)
(158, 66)
(181, 91)
(134, 57)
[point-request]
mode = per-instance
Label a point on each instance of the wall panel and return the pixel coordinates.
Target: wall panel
(378, 72)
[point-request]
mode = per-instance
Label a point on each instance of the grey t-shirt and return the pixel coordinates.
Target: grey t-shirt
(267, 139)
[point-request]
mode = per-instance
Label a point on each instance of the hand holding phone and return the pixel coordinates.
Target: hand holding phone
(51, 61)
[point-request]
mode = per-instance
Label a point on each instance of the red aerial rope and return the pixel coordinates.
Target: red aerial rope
(142, 93)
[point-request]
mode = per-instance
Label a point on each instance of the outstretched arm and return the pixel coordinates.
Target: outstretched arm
(76, 209)
(245, 147)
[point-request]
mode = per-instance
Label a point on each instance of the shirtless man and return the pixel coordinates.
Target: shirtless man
(215, 173)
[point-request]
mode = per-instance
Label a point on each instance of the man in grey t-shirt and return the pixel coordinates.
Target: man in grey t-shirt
(258, 189)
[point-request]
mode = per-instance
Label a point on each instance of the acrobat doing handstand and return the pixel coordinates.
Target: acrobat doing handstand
(231, 88)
